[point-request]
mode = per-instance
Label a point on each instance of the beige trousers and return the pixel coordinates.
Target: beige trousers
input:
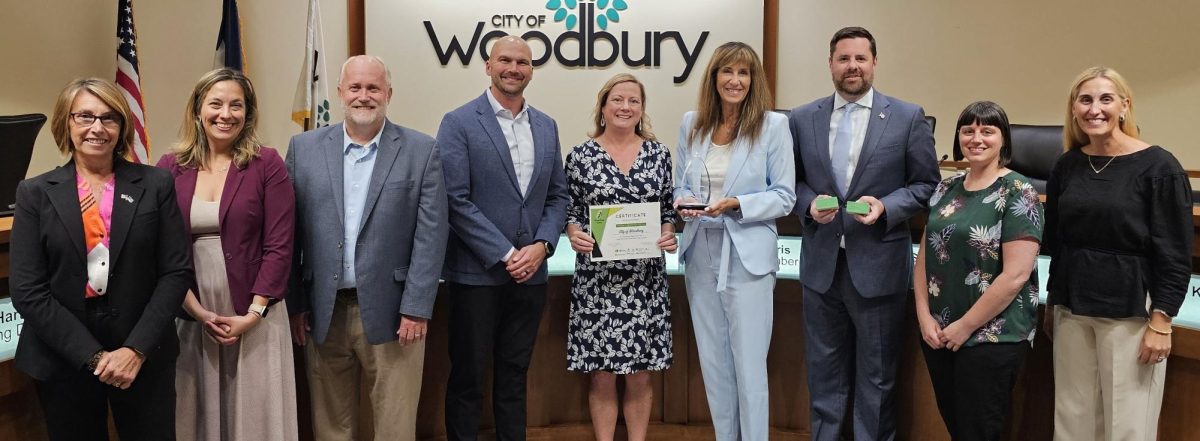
(340, 367)
(1101, 392)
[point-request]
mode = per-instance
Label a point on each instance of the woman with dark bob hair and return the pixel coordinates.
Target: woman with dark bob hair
(99, 268)
(1119, 233)
(975, 278)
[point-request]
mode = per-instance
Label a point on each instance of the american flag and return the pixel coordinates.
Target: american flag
(129, 81)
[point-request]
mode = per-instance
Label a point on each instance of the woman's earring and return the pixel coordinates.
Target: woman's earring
(1122, 118)
(601, 122)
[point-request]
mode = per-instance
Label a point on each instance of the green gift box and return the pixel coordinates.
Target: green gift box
(856, 207)
(827, 203)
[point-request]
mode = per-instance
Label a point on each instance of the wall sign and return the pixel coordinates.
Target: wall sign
(583, 40)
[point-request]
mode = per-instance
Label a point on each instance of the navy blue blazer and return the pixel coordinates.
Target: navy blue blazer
(897, 165)
(488, 214)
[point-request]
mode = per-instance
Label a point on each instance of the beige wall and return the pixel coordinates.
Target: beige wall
(939, 54)
(49, 42)
(1022, 54)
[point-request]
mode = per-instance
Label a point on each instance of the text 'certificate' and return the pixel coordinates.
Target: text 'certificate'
(626, 231)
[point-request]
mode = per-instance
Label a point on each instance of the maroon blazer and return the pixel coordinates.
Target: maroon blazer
(257, 218)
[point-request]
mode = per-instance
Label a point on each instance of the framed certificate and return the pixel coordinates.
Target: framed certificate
(625, 231)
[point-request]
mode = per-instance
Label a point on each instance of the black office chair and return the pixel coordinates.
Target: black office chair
(17, 136)
(1035, 149)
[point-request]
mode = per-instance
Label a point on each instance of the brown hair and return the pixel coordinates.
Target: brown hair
(106, 92)
(192, 149)
(851, 33)
(643, 127)
(1073, 135)
(753, 107)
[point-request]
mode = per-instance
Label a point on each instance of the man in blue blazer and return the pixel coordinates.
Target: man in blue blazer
(508, 204)
(857, 145)
(370, 238)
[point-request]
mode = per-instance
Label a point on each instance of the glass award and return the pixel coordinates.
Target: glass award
(695, 180)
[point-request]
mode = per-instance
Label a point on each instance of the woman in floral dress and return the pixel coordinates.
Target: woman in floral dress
(620, 322)
(976, 279)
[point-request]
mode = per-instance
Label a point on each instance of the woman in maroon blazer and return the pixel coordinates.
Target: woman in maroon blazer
(238, 208)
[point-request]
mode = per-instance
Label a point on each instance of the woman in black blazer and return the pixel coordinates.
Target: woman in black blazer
(100, 265)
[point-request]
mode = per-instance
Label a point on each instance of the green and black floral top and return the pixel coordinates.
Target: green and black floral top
(963, 254)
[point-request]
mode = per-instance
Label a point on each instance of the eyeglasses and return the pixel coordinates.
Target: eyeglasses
(107, 120)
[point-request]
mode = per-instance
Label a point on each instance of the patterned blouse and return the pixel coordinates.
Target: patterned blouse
(97, 222)
(963, 253)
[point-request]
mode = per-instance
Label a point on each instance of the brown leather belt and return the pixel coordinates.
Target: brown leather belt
(348, 293)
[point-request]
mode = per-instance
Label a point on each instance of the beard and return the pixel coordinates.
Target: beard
(364, 117)
(843, 85)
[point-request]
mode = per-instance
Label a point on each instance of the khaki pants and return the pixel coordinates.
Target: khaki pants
(1101, 392)
(390, 372)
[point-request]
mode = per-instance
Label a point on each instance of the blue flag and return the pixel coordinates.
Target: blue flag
(229, 39)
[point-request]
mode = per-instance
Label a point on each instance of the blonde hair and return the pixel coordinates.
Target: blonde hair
(643, 127)
(192, 150)
(106, 92)
(1073, 135)
(753, 107)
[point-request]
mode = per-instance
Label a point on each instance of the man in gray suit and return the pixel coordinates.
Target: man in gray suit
(370, 240)
(857, 145)
(508, 204)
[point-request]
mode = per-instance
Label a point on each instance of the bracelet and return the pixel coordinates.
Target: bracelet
(95, 360)
(1160, 332)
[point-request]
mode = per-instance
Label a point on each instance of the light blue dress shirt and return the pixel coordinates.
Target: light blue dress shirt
(357, 164)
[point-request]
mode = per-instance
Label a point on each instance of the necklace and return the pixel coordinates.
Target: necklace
(212, 169)
(1098, 170)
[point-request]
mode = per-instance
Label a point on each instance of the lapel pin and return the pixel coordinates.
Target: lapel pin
(881, 115)
(127, 198)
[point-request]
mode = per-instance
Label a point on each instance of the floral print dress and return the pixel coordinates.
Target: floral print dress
(620, 319)
(963, 253)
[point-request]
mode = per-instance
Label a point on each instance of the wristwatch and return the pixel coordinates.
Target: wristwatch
(261, 310)
(549, 248)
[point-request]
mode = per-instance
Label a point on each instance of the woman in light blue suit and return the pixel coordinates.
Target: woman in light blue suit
(729, 247)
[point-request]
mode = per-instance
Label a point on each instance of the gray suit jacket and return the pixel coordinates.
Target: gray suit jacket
(488, 214)
(402, 233)
(897, 165)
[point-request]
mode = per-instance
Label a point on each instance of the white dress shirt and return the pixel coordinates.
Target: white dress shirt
(860, 118)
(519, 135)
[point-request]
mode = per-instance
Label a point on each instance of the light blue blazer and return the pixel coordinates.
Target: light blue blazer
(762, 177)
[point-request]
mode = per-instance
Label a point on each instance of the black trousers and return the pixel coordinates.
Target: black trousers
(973, 387)
(500, 322)
(76, 404)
